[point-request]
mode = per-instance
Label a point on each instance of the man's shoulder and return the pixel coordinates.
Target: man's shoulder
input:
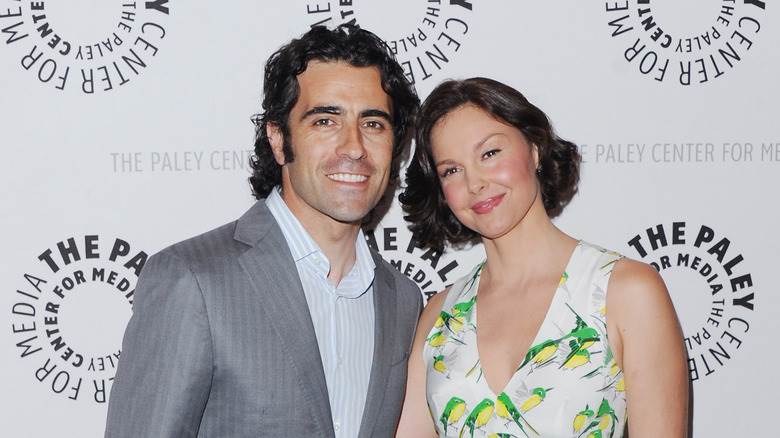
(205, 247)
(403, 285)
(226, 240)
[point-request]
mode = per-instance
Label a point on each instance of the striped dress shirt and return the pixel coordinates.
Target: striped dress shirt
(343, 317)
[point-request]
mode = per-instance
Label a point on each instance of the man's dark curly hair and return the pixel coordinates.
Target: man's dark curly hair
(431, 220)
(346, 43)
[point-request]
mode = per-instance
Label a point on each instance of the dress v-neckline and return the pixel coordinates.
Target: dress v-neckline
(536, 339)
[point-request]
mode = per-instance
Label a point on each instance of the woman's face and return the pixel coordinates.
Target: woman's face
(487, 170)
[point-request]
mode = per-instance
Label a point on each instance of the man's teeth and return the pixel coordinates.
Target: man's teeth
(347, 177)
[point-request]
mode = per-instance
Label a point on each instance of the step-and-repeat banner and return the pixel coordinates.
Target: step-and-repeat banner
(125, 128)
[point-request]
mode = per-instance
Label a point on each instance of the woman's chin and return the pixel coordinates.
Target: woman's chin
(493, 232)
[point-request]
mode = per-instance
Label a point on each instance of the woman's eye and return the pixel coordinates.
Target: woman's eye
(491, 153)
(448, 171)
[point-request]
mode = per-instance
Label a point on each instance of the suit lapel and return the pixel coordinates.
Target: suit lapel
(384, 323)
(272, 273)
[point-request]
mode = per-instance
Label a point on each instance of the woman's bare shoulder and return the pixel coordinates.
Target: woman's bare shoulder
(636, 290)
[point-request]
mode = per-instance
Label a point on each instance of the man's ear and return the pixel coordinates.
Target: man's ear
(276, 139)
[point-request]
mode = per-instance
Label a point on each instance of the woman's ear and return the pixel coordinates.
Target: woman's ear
(535, 157)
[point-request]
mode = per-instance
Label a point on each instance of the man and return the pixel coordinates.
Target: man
(284, 323)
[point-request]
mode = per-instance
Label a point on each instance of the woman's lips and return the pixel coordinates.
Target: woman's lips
(487, 205)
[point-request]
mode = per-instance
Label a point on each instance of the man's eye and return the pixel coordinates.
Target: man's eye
(374, 124)
(323, 122)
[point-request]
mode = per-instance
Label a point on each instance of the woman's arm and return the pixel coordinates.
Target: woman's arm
(649, 348)
(416, 418)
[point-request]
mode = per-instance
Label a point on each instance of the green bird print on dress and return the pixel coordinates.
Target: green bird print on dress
(584, 337)
(605, 419)
(541, 354)
(564, 279)
(582, 417)
(464, 309)
(582, 332)
(567, 383)
(577, 357)
(451, 323)
(479, 416)
(438, 339)
(452, 413)
(505, 408)
(530, 399)
(443, 363)
(439, 365)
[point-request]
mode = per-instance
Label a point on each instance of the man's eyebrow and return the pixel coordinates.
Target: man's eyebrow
(376, 113)
(335, 110)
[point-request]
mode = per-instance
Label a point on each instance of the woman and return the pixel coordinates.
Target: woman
(565, 335)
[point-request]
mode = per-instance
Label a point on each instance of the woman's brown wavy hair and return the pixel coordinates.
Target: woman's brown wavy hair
(431, 220)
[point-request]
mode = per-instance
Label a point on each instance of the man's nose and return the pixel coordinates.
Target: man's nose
(352, 144)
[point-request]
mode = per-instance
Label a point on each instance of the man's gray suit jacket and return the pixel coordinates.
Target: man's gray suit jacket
(221, 343)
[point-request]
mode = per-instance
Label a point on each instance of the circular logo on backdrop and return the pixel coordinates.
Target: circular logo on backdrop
(710, 283)
(684, 41)
(424, 36)
(88, 46)
(431, 270)
(70, 312)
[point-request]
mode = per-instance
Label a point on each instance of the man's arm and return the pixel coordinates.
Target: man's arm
(165, 368)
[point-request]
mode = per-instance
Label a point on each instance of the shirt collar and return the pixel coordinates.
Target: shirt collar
(298, 239)
(302, 246)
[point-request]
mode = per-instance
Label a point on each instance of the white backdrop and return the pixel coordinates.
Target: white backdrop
(125, 128)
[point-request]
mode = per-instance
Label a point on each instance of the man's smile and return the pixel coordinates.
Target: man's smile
(347, 177)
